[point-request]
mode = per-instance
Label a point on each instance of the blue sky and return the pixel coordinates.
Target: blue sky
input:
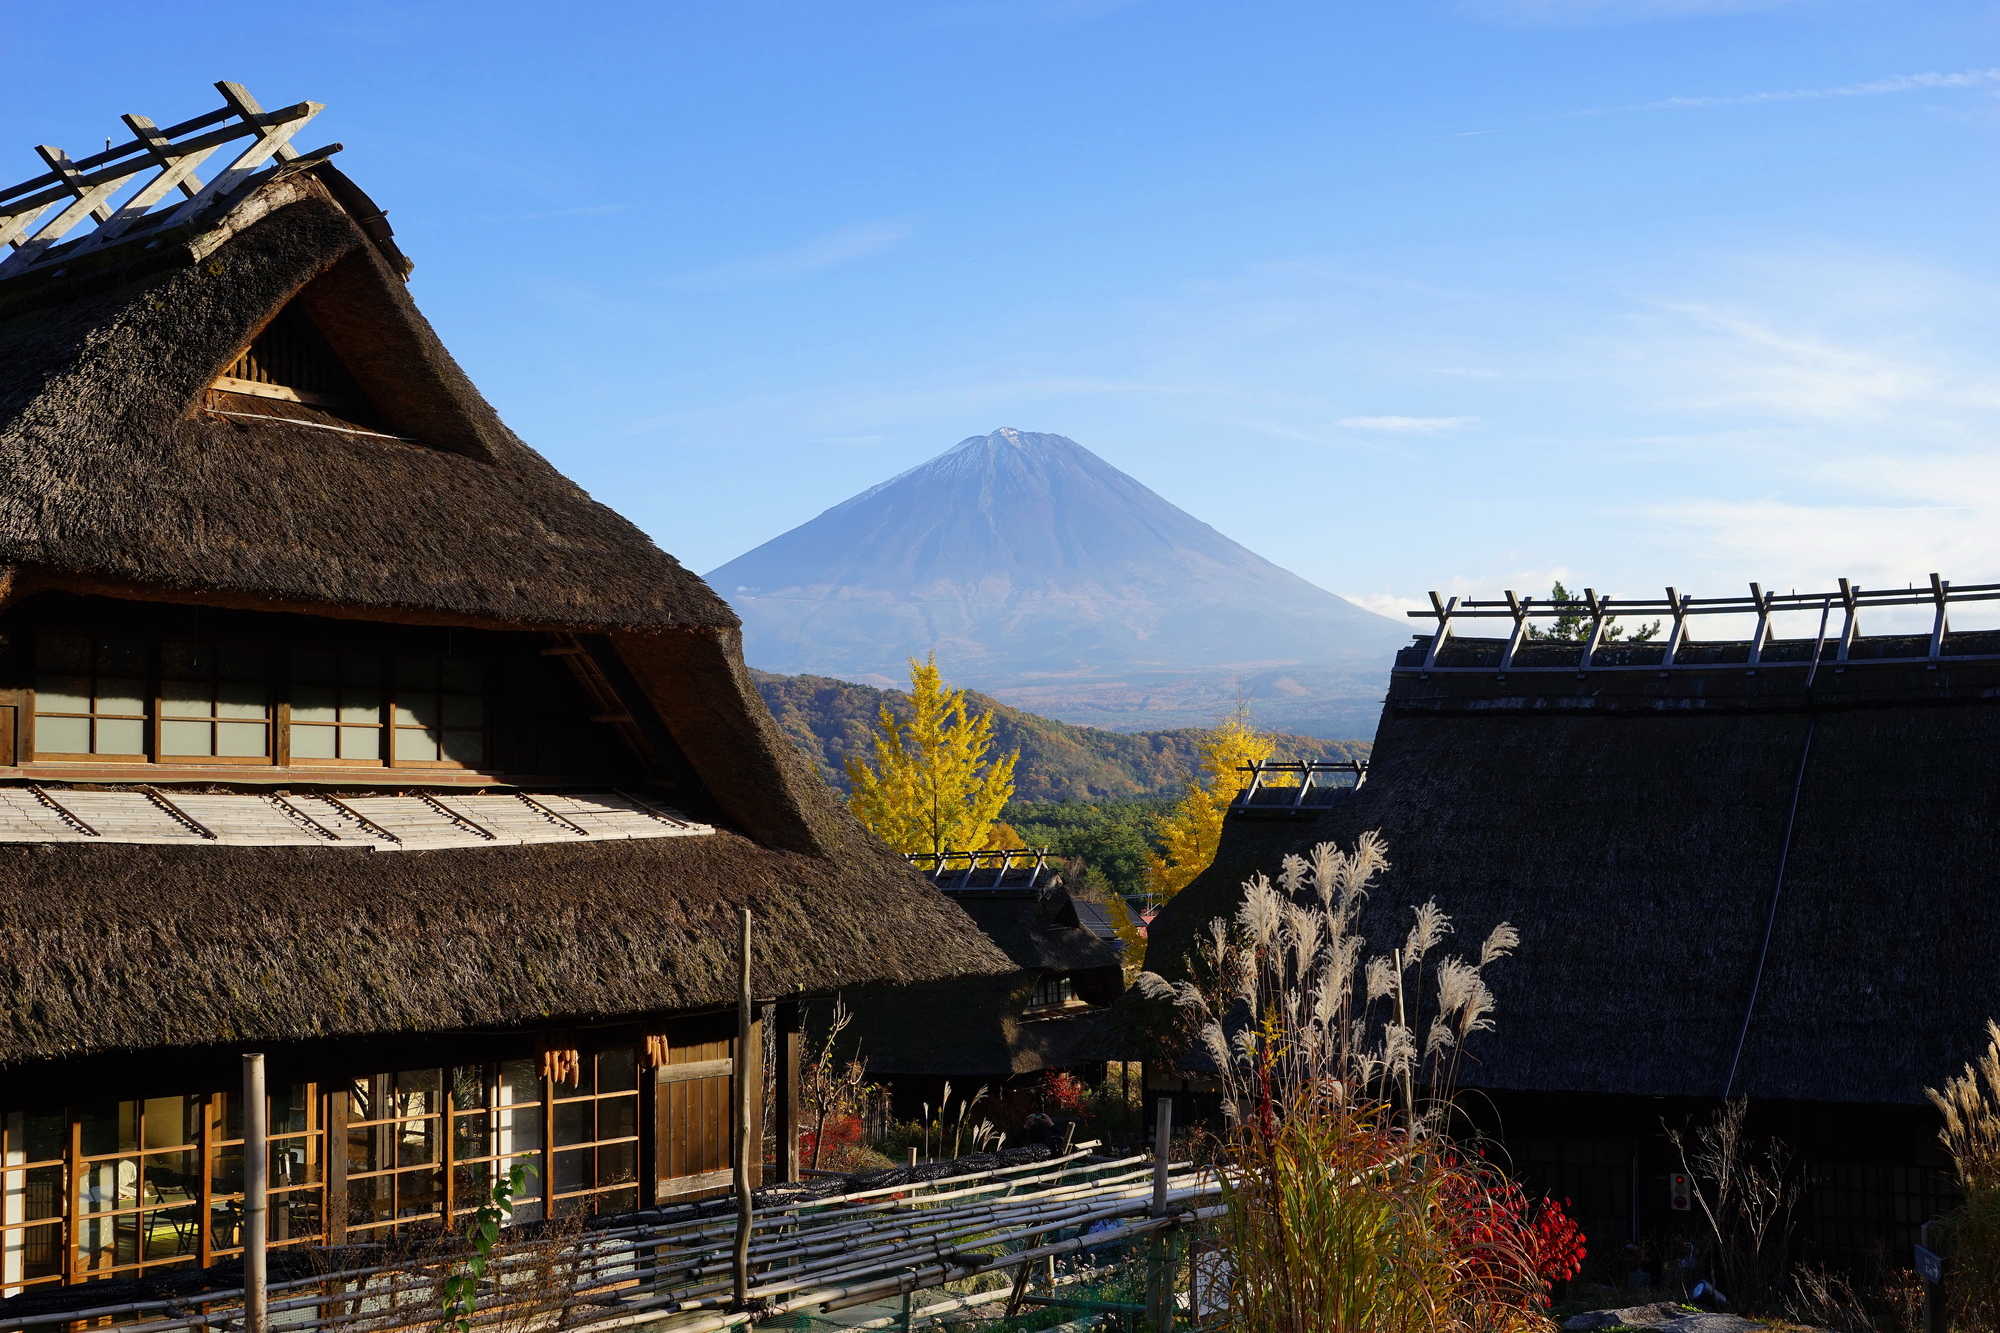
(1463, 294)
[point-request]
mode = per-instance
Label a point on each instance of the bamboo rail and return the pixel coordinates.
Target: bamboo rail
(681, 1264)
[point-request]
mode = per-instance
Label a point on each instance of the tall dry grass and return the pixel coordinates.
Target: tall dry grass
(1747, 1191)
(1350, 1205)
(1971, 1134)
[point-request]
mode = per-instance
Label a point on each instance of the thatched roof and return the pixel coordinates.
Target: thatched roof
(1631, 825)
(112, 470)
(118, 478)
(979, 1025)
(122, 947)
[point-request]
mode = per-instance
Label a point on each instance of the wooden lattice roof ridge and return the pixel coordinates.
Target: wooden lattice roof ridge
(1849, 599)
(1012, 868)
(1310, 785)
(127, 190)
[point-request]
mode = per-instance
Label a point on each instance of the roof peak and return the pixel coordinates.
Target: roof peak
(148, 186)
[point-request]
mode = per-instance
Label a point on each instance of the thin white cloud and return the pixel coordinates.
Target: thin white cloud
(1387, 603)
(839, 247)
(1900, 83)
(1578, 12)
(1407, 425)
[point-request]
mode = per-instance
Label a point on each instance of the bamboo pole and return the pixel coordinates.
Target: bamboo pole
(1160, 1259)
(256, 1195)
(833, 1255)
(744, 1204)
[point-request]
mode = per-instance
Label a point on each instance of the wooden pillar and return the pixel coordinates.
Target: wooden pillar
(791, 1027)
(256, 1194)
(746, 1111)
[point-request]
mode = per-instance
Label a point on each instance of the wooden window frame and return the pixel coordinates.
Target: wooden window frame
(279, 688)
(149, 683)
(386, 724)
(556, 1201)
(13, 1176)
(690, 1065)
(200, 1208)
(438, 1168)
(154, 702)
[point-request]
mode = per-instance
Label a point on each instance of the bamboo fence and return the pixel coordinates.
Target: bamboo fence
(677, 1268)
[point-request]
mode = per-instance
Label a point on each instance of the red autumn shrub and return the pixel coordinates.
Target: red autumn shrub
(1069, 1094)
(843, 1135)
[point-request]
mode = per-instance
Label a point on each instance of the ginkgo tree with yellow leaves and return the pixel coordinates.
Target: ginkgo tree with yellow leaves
(1190, 832)
(931, 787)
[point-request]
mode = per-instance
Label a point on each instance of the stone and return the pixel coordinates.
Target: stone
(1665, 1316)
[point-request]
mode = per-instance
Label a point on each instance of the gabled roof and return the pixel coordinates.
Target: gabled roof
(1631, 822)
(383, 488)
(121, 468)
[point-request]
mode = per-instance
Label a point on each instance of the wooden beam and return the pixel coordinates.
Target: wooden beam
(1598, 615)
(1852, 626)
(249, 112)
(791, 1026)
(1763, 631)
(1444, 611)
(1678, 635)
(1942, 625)
(1519, 607)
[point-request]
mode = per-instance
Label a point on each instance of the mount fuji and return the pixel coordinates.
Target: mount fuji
(1048, 578)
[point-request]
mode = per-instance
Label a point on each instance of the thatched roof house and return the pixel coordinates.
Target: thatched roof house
(1758, 867)
(1049, 1011)
(335, 722)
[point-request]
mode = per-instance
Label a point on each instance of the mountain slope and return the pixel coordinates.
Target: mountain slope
(832, 719)
(1024, 560)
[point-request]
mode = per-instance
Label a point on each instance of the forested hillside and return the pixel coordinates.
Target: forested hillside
(832, 719)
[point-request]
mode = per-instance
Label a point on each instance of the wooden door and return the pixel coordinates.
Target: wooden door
(694, 1107)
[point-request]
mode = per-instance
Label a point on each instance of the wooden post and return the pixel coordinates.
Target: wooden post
(256, 1195)
(1160, 1268)
(1519, 607)
(743, 1118)
(1931, 1272)
(790, 1023)
(1443, 611)
(1163, 1133)
(1941, 626)
(1763, 631)
(1600, 611)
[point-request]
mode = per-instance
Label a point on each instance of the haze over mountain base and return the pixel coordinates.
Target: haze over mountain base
(1042, 575)
(1332, 703)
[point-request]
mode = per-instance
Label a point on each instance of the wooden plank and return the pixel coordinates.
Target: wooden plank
(1763, 632)
(14, 226)
(1942, 625)
(1444, 613)
(238, 171)
(160, 146)
(46, 236)
(176, 174)
(245, 106)
(1520, 608)
(699, 1069)
(791, 1023)
(1852, 623)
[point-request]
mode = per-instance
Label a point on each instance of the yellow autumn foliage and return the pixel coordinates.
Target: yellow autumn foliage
(1189, 832)
(931, 788)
